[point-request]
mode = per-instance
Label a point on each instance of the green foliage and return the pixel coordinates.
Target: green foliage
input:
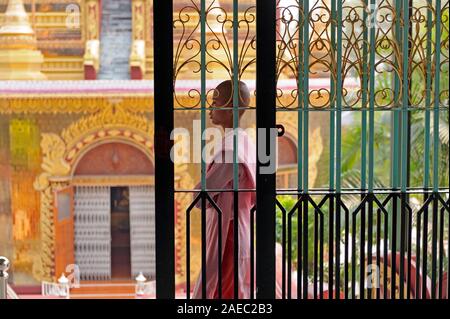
(288, 202)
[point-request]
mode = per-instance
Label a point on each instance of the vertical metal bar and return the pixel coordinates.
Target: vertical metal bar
(235, 144)
(436, 144)
(252, 253)
(203, 245)
(378, 250)
(338, 141)
(364, 99)
(448, 263)
(426, 176)
(427, 131)
(305, 248)
(425, 253)
(283, 252)
(306, 100)
(203, 87)
(354, 249)
(369, 242)
(300, 246)
(418, 253)
(203, 142)
(338, 99)
(265, 120)
(409, 252)
(346, 239)
(404, 139)
(332, 158)
(305, 151)
(316, 255)
(188, 256)
(338, 246)
(332, 97)
(304, 16)
(219, 255)
(437, 78)
(395, 149)
(321, 229)
(364, 103)
(362, 258)
(402, 242)
(434, 234)
(397, 89)
(289, 265)
(371, 161)
(164, 168)
(331, 247)
(394, 248)
(441, 252)
(385, 254)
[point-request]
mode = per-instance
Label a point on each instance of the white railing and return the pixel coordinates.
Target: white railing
(52, 289)
(146, 289)
(11, 293)
(4, 266)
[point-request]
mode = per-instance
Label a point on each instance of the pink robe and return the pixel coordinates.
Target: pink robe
(219, 175)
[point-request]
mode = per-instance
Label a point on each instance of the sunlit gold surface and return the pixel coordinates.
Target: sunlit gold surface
(19, 57)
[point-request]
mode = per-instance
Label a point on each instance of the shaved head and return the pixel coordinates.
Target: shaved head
(224, 91)
(223, 97)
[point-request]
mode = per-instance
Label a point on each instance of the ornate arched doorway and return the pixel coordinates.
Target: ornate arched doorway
(97, 195)
(114, 226)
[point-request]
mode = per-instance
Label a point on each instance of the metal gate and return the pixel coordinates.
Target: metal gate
(378, 225)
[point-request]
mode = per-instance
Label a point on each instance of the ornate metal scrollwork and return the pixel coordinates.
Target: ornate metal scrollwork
(218, 47)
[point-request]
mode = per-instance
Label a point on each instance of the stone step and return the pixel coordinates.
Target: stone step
(104, 288)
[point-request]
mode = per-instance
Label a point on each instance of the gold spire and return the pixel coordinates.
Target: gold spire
(19, 57)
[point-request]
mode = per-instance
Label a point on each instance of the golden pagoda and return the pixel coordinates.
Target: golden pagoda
(19, 57)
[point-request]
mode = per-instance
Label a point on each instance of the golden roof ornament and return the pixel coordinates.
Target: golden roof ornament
(19, 57)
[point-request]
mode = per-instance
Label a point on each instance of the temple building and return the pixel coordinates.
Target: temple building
(76, 133)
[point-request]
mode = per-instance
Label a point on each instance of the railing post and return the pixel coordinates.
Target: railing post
(140, 285)
(4, 266)
(64, 288)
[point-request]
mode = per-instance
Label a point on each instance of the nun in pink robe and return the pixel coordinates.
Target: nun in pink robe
(219, 175)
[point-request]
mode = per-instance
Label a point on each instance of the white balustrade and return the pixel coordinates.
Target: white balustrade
(52, 289)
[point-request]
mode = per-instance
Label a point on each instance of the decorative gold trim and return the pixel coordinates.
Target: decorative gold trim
(128, 180)
(138, 13)
(92, 33)
(182, 201)
(73, 103)
(84, 103)
(62, 152)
